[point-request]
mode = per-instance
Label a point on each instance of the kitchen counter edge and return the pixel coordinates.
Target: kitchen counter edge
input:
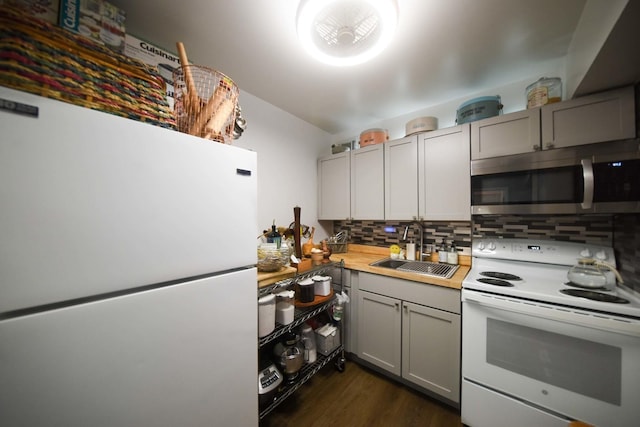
(358, 257)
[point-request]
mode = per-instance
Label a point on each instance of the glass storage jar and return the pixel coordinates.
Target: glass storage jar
(544, 91)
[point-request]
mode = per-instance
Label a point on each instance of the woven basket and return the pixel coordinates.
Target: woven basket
(46, 60)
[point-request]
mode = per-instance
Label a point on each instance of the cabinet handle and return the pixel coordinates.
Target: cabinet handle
(587, 174)
(397, 306)
(536, 147)
(549, 145)
(406, 309)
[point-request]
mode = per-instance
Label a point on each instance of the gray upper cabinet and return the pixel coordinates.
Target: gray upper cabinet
(367, 182)
(507, 134)
(351, 184)
(401, 178)
(334, 191)
(606, 116)
(444, 186)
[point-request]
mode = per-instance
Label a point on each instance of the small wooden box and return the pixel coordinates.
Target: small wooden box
(304, 265)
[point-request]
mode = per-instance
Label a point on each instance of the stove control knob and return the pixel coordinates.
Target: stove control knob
(601, 255)
(481, 246)
(492, 246)
(585, 253)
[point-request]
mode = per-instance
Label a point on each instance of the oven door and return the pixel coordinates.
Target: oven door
(570, 363)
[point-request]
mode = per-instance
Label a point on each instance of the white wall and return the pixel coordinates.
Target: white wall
(287, 150)
(596, 23)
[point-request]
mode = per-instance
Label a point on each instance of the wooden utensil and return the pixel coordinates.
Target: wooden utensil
(215, 125)
(296, 232)
(306, 248)
(192, 100)
(207, 112)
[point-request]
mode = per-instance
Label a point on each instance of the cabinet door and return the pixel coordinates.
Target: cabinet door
(512, 133)
(431, 349)
(367, 182)
(334, 187)
(379, 333)
(606, 116)
(401, 178)
(445, 175)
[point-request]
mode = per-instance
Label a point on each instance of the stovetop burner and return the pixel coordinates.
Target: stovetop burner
(498, 275)
(495, 282)
(596, 296)
(537, 270)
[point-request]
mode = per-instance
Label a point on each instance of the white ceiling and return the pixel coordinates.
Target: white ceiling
(443, 50)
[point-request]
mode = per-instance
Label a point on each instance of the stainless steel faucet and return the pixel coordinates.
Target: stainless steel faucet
(421, 244)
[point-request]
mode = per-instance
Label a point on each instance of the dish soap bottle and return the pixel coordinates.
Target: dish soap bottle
(452, 255)
(443, 254)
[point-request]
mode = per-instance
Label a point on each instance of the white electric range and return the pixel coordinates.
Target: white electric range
(534, 353)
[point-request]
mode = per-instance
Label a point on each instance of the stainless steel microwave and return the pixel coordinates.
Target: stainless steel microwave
(594, 178)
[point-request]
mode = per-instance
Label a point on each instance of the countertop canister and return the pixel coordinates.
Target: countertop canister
(266, 315)
(306, 291)
(322, 285)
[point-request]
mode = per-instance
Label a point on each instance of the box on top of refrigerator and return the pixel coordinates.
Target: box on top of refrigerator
(41, 9)
(165, 62)
(96, 19)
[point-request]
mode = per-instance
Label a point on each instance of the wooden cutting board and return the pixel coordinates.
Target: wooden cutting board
(266, 279)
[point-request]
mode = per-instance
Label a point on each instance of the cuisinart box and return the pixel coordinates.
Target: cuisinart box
(152, 55)
(96, 19)
(41, 9)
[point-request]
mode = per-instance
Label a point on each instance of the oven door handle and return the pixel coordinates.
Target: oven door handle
(587, 176)
(586, 319)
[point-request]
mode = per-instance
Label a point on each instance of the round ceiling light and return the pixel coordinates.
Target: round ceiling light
(346, 32)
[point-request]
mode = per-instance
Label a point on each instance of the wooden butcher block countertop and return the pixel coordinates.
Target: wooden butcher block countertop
(358, 257)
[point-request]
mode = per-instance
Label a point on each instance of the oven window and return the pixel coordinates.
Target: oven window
(581, 366)
(554, 185)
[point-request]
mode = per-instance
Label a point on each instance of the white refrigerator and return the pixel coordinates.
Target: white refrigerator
(127, 272)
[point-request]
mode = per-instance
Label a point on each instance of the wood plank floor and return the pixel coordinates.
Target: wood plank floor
(359, 397)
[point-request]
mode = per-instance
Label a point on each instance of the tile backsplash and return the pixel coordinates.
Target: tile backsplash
(376, 233)
(620, 231)
(593, 229)
(626, 242)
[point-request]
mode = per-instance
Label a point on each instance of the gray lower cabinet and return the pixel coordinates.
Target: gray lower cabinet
(379, 331)
(431, 349)
(411, 330)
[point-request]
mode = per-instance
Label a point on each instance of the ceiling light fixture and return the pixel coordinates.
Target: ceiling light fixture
(346, 32)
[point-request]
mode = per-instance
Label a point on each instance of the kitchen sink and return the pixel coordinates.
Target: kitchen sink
(426, 268)
(389, 263)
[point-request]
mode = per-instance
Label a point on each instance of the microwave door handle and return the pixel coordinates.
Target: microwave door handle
(587, 175)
